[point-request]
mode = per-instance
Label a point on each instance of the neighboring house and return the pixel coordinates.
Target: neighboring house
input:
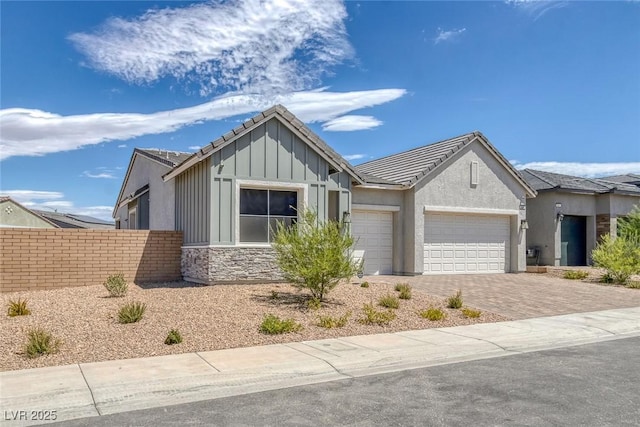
(143, 191)
(65, 220)
(570, 213)
(629, 178)
(13, 214)
(456, 206)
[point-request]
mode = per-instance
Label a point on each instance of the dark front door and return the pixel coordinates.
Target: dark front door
(573, 240)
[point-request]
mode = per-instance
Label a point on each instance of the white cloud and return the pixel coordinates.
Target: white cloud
(450, 35)
(30, 132)
(241, 45)
(102, 174)
(194, 147)
(122, 145)
(589, 170)
(55, 201)
(351, 157)
(350, 123)
(536, 8)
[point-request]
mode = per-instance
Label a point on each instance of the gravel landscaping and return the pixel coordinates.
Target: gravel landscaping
(207, 317)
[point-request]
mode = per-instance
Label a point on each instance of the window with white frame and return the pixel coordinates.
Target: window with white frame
(261, 209)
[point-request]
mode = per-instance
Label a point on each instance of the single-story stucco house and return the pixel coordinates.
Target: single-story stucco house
(68, 220)
(16, 215)
(455, 206)
(570, 213)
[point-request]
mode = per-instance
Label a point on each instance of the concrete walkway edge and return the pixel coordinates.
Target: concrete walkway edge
(93, 389)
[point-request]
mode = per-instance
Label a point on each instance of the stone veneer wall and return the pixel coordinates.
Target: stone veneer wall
(603, 225)
(229, 265)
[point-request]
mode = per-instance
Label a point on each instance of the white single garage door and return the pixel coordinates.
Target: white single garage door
(373, 231)
(460, 243)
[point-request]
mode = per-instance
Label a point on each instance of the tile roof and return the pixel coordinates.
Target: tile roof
(629, 178)
(541, 181)
(168, 157)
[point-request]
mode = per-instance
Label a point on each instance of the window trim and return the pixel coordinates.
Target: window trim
(301, 188)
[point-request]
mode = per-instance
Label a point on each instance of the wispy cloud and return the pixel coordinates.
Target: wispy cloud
(445, 36)
(194, 147)
(351, 157)
(240, 45)
(55, 201)
(30, 132)
(350, 123)
(103, 173)
(536, 8)
(122, 145)
(589, 170)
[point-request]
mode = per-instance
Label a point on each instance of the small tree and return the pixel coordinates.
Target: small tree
(314, 255)
(620, 256)
(629, 226)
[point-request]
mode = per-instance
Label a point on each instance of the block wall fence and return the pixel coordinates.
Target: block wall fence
(36, 258)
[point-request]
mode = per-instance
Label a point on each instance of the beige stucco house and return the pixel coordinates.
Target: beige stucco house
(456, 206)
(13, 214)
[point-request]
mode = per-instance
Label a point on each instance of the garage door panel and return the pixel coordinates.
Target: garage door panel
(374, 240)
(460, 243)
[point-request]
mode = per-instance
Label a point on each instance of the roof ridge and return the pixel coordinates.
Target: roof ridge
(531, 171)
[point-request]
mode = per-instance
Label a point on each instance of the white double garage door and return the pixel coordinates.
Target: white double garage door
(453, 243)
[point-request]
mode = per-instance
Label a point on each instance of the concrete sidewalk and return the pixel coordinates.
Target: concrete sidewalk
(93, 389)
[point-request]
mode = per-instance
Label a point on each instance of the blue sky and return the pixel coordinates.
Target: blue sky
(553, 85)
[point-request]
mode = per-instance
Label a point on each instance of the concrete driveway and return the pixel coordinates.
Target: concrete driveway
(522, 296)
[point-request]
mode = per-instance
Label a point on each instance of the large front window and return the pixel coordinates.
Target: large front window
(260, 210)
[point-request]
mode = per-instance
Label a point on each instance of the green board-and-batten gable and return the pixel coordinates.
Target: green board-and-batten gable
(273, 147)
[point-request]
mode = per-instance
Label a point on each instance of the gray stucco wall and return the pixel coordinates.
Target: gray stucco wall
(451, 187)
(13, 215)
(161, 194)
(545, 231)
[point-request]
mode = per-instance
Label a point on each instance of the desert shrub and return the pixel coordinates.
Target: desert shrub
(273, 325)
(404, 289)
(400, 286)
(313, 254)
(471, 313)
(40, 342)
(575, 274)
(116, 285)
(274, 295)
(376, 317)
(620, 257)
(364, 284)
(17, 308)
(606, 278)
(389, 301)
(633, 284)
(173, 337)
(433, 314)
(330, 322)
(131, 312)
(629, 225)
(314, 304)
(455, 301)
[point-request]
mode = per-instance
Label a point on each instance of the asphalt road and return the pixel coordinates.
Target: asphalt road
(589, 385)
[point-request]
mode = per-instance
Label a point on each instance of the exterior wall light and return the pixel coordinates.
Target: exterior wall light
(559, 214)
(346, 217)
(524, 225)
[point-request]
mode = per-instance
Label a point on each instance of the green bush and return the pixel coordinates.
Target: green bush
(470, 313)
(116, 285)
(273, 325)
(333, 322)
(314, 304)
(131, 312)
(375, 317)
(620, 257)
(389, 301)
(433, 314)
(364, 284)
(629, 225)
(633, 284)
(18, 308)
(314, 255)
(40, 342)
(455, 301)
(173, 337)
(575, 274)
